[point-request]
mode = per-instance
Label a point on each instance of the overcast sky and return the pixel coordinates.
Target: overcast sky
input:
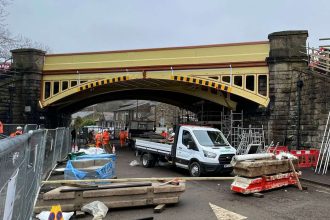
(96, 25)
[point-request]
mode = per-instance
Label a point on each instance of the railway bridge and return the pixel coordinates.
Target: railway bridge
(264, 78)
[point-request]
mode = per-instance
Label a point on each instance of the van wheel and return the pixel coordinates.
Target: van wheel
(195, 169)
(148, 160)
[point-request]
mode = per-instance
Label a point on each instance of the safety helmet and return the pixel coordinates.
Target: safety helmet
(19, 128)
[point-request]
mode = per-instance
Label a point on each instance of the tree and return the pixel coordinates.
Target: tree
(81, 122)
(78, 122)
(88, 122)
(8, 41)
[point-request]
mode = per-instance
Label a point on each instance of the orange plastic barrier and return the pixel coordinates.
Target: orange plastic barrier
(307, 158)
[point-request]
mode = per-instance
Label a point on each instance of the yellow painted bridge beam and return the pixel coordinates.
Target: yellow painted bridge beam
(213, 88)
(206, 66)
(207, 95)
(243, 54)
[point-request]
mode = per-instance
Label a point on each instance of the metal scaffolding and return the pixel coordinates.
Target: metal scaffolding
(251, 137)
(231, 125)
(319, 60)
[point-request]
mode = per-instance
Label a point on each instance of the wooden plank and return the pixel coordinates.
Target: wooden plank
(295, 174)
(127, 203)
(169, 188)
(160, 208)
(115, 186)
(112, 198)
(55, 194)
(136, 180)
(258, 195)
(115, 192)
(169, 200)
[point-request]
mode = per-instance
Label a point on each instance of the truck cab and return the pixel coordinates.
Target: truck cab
(198, 149)
(202, 150)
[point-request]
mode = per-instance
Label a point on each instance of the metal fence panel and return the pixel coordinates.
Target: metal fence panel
(13, 160)
(28, 158)
(29, 127)
(49, 152)
(10, 128)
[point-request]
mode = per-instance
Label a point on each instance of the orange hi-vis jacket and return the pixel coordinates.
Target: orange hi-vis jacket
(1, 128)
(105, 137)
(16, 133)
(98, 140)
(122, 135)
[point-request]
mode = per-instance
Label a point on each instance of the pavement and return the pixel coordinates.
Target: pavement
(309, 175)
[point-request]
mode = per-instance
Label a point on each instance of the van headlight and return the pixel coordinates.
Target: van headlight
(209, 154)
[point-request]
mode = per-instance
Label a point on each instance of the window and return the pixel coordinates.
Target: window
(56, 87)
(73, 83)
(238, 81)
(83, 81)
(210, 138)
(226, 79)
(65, 85)
(47, 90)
(249, 84)
(262, 85)
(186, 137)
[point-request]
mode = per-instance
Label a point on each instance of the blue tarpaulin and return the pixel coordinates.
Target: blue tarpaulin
(105, 171)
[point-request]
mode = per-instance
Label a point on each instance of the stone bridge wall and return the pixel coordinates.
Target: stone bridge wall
(288, 72)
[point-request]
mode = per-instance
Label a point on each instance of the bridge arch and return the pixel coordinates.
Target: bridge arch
(217, 73)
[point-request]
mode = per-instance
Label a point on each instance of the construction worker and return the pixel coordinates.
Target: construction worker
(98, 139)
(73, 136)
(122, 137)
(1, 128)
(106, 140)
(19, 131)
(91, 137)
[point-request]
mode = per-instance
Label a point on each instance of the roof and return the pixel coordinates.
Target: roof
(134, 104)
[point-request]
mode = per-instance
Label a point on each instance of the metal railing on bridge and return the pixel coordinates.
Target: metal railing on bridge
(25, 160)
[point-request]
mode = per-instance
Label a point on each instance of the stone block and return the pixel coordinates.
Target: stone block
(263, 167)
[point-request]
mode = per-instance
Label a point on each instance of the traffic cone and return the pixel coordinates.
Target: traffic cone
(113, 149)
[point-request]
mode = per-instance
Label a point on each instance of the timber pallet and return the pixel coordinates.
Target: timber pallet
(73, 198)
